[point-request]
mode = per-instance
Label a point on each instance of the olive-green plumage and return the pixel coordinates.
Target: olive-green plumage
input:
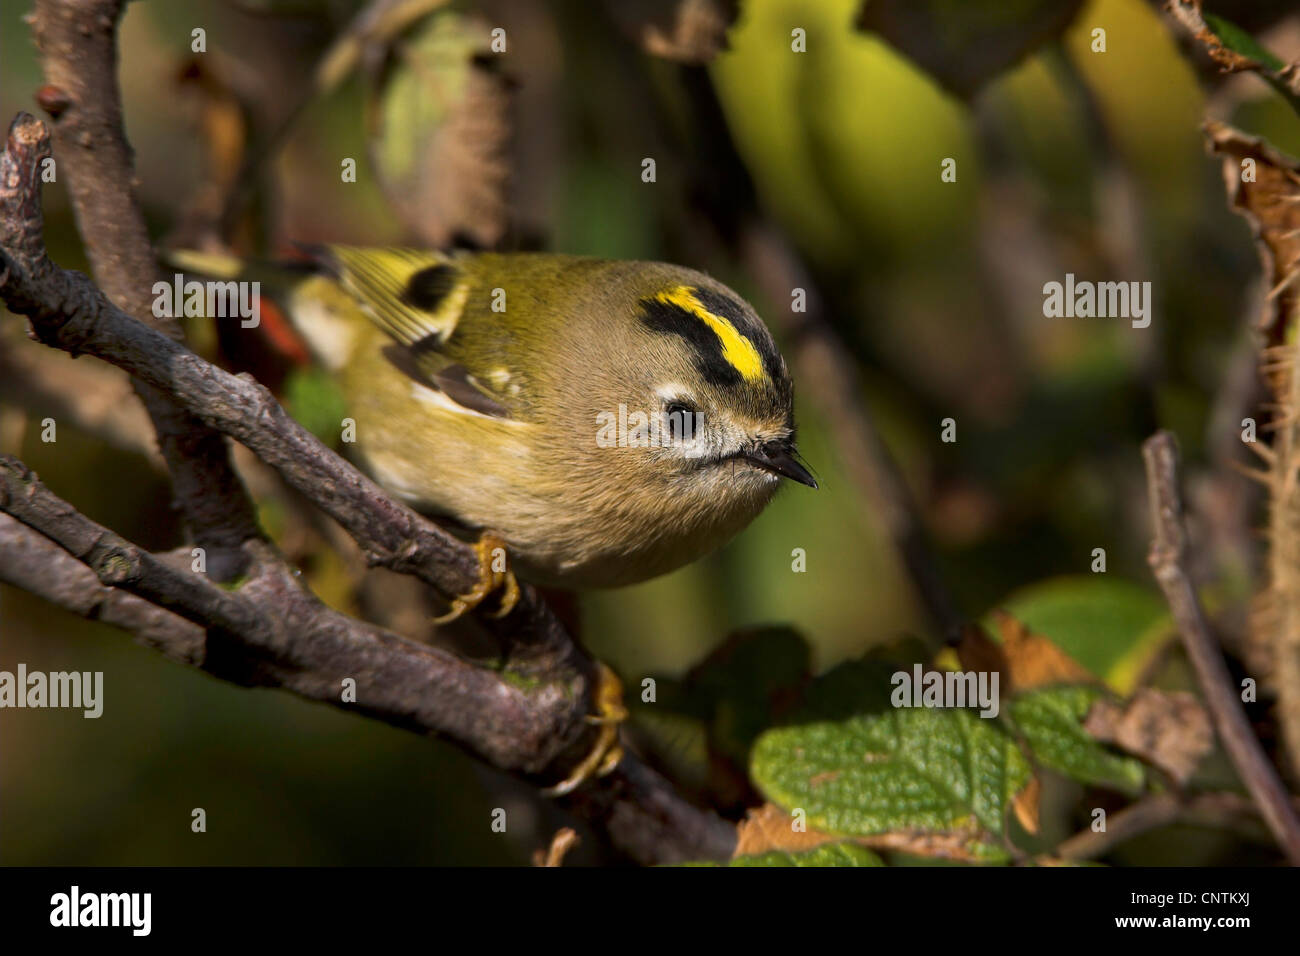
(495, 388)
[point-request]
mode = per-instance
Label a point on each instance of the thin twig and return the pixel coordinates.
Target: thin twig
(822, 360)
(1153, 812)
(824, 368)
(1168, 558)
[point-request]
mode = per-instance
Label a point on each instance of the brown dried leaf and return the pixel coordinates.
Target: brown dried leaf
(689, 31)
(958, 847)
(1025, 805)
(1169, 730)
(768, 828)
(1023, 660)
(1271, 204)
(440, 130)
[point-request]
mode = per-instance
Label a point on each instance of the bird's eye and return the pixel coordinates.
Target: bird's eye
(682, 419)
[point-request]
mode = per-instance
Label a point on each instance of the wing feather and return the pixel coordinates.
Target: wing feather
(417, 297)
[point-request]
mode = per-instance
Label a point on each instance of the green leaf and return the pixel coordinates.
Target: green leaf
(1110, 626)
(828, 854)
(314, 399)
(1050, 721)
(936, 770)
(747, 683)
(1264, 62)
(965, 43)
(1239, 41)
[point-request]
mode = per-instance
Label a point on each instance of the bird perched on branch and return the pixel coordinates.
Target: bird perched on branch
(600, 422)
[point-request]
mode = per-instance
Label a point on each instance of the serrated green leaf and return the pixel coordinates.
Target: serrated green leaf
(1110, 626)
(1050, 721)
(828, 854)
(935, 770)
(747, 683)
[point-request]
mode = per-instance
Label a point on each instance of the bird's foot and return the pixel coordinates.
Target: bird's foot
(494, 575)
(606, 754)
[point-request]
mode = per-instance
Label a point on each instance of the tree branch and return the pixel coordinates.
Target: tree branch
(272, 631)
(34, 563)
(67, 311)
(77, 39)
(1168, 562)
(118, 563)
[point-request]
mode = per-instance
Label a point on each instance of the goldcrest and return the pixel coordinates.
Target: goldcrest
(609, 421)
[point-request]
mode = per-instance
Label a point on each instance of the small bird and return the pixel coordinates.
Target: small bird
(600, 422)
(608, 421)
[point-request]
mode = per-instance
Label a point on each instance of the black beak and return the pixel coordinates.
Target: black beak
(778, 457)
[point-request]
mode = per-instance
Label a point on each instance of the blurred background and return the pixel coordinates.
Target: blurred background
(1067, 160)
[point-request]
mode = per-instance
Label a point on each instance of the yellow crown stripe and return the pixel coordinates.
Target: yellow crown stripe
(738, 351)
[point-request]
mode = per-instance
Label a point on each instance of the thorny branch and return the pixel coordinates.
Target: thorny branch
(1168, 562)
(270, 631)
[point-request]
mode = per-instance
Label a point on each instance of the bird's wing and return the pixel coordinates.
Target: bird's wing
(419, 298)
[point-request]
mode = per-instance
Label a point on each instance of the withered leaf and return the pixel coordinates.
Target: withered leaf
(768, 828)
(1172, 731)
(689, 31)
(1025, 805)
(1271, 204)
(439, 131)
(1023, 660)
